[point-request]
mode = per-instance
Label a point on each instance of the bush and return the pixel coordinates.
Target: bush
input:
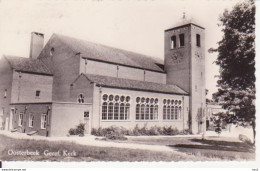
(79, 130)
(114, 132)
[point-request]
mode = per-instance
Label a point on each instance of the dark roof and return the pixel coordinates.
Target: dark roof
(114, 82)
(185, 23)
(27, 65)
(113, 55)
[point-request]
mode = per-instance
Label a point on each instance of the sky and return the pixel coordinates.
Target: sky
(134, 25)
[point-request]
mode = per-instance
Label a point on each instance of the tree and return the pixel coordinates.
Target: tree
(236, 58)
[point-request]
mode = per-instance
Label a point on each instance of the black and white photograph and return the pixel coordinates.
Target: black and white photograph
(128, 81)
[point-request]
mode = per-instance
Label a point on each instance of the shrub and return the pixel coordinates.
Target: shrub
(79, 130)
(170, 131)
(114, 132)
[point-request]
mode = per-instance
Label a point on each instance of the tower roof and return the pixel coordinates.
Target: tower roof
(184, 22)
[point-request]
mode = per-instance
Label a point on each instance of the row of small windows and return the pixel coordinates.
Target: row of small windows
(31, 120)
(182, 41)
(115, 107)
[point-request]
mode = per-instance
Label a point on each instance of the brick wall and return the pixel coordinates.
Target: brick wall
(65, 65)
(113, 70)
(25, 85)
(81, 86)
(36, 110)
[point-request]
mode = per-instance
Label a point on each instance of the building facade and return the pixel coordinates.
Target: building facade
(71, 81)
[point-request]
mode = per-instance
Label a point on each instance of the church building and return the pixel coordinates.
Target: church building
(70, 81)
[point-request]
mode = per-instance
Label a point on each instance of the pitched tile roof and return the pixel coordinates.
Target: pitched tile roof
(109, 54)
(134, 84)
(27, 65)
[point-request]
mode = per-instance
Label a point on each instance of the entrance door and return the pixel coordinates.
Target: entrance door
(86, 122)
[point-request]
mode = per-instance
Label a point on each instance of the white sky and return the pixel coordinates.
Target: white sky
(135, 25)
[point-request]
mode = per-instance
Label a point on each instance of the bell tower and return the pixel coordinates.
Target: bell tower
(184, 61)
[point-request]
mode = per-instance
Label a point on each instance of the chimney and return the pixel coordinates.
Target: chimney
(37, 40)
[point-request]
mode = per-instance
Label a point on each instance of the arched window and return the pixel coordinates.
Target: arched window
(152, 112)
(172, 109)
(172, 113)
(137, 112)
(116, 111)
(81, 98)
(115, 107)
(146, 108)
(110, 111)
(127, 111)
(122, 111)
(156, 112)
(164, 112)
(142, 111)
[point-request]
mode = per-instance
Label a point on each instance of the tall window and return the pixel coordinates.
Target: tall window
(198, 40)
(173, 42)
(182, 41)
(43, 121)
(20, 121)
(115, 107)
(172, 109)
(146, 108)
(81, 98)
(31, 120)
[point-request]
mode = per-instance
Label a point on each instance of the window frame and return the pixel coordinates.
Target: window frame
(43, 121)
(37, 94)
(173, 42)
(198, 40)
(31, 120)
(181, 40)
(20, 119)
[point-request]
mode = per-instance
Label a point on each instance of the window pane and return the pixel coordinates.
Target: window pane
(142, 111)
(116, 111)
(137, 112)
(122, 111)
(172, 112)
(127, 111)
(147, 112)
(151, 112)
(168, 112)
(110, 111)
(104, 111)
(164, 112)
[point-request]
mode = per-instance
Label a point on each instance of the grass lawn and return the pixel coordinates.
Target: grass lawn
(212, 147)
(83, 153)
